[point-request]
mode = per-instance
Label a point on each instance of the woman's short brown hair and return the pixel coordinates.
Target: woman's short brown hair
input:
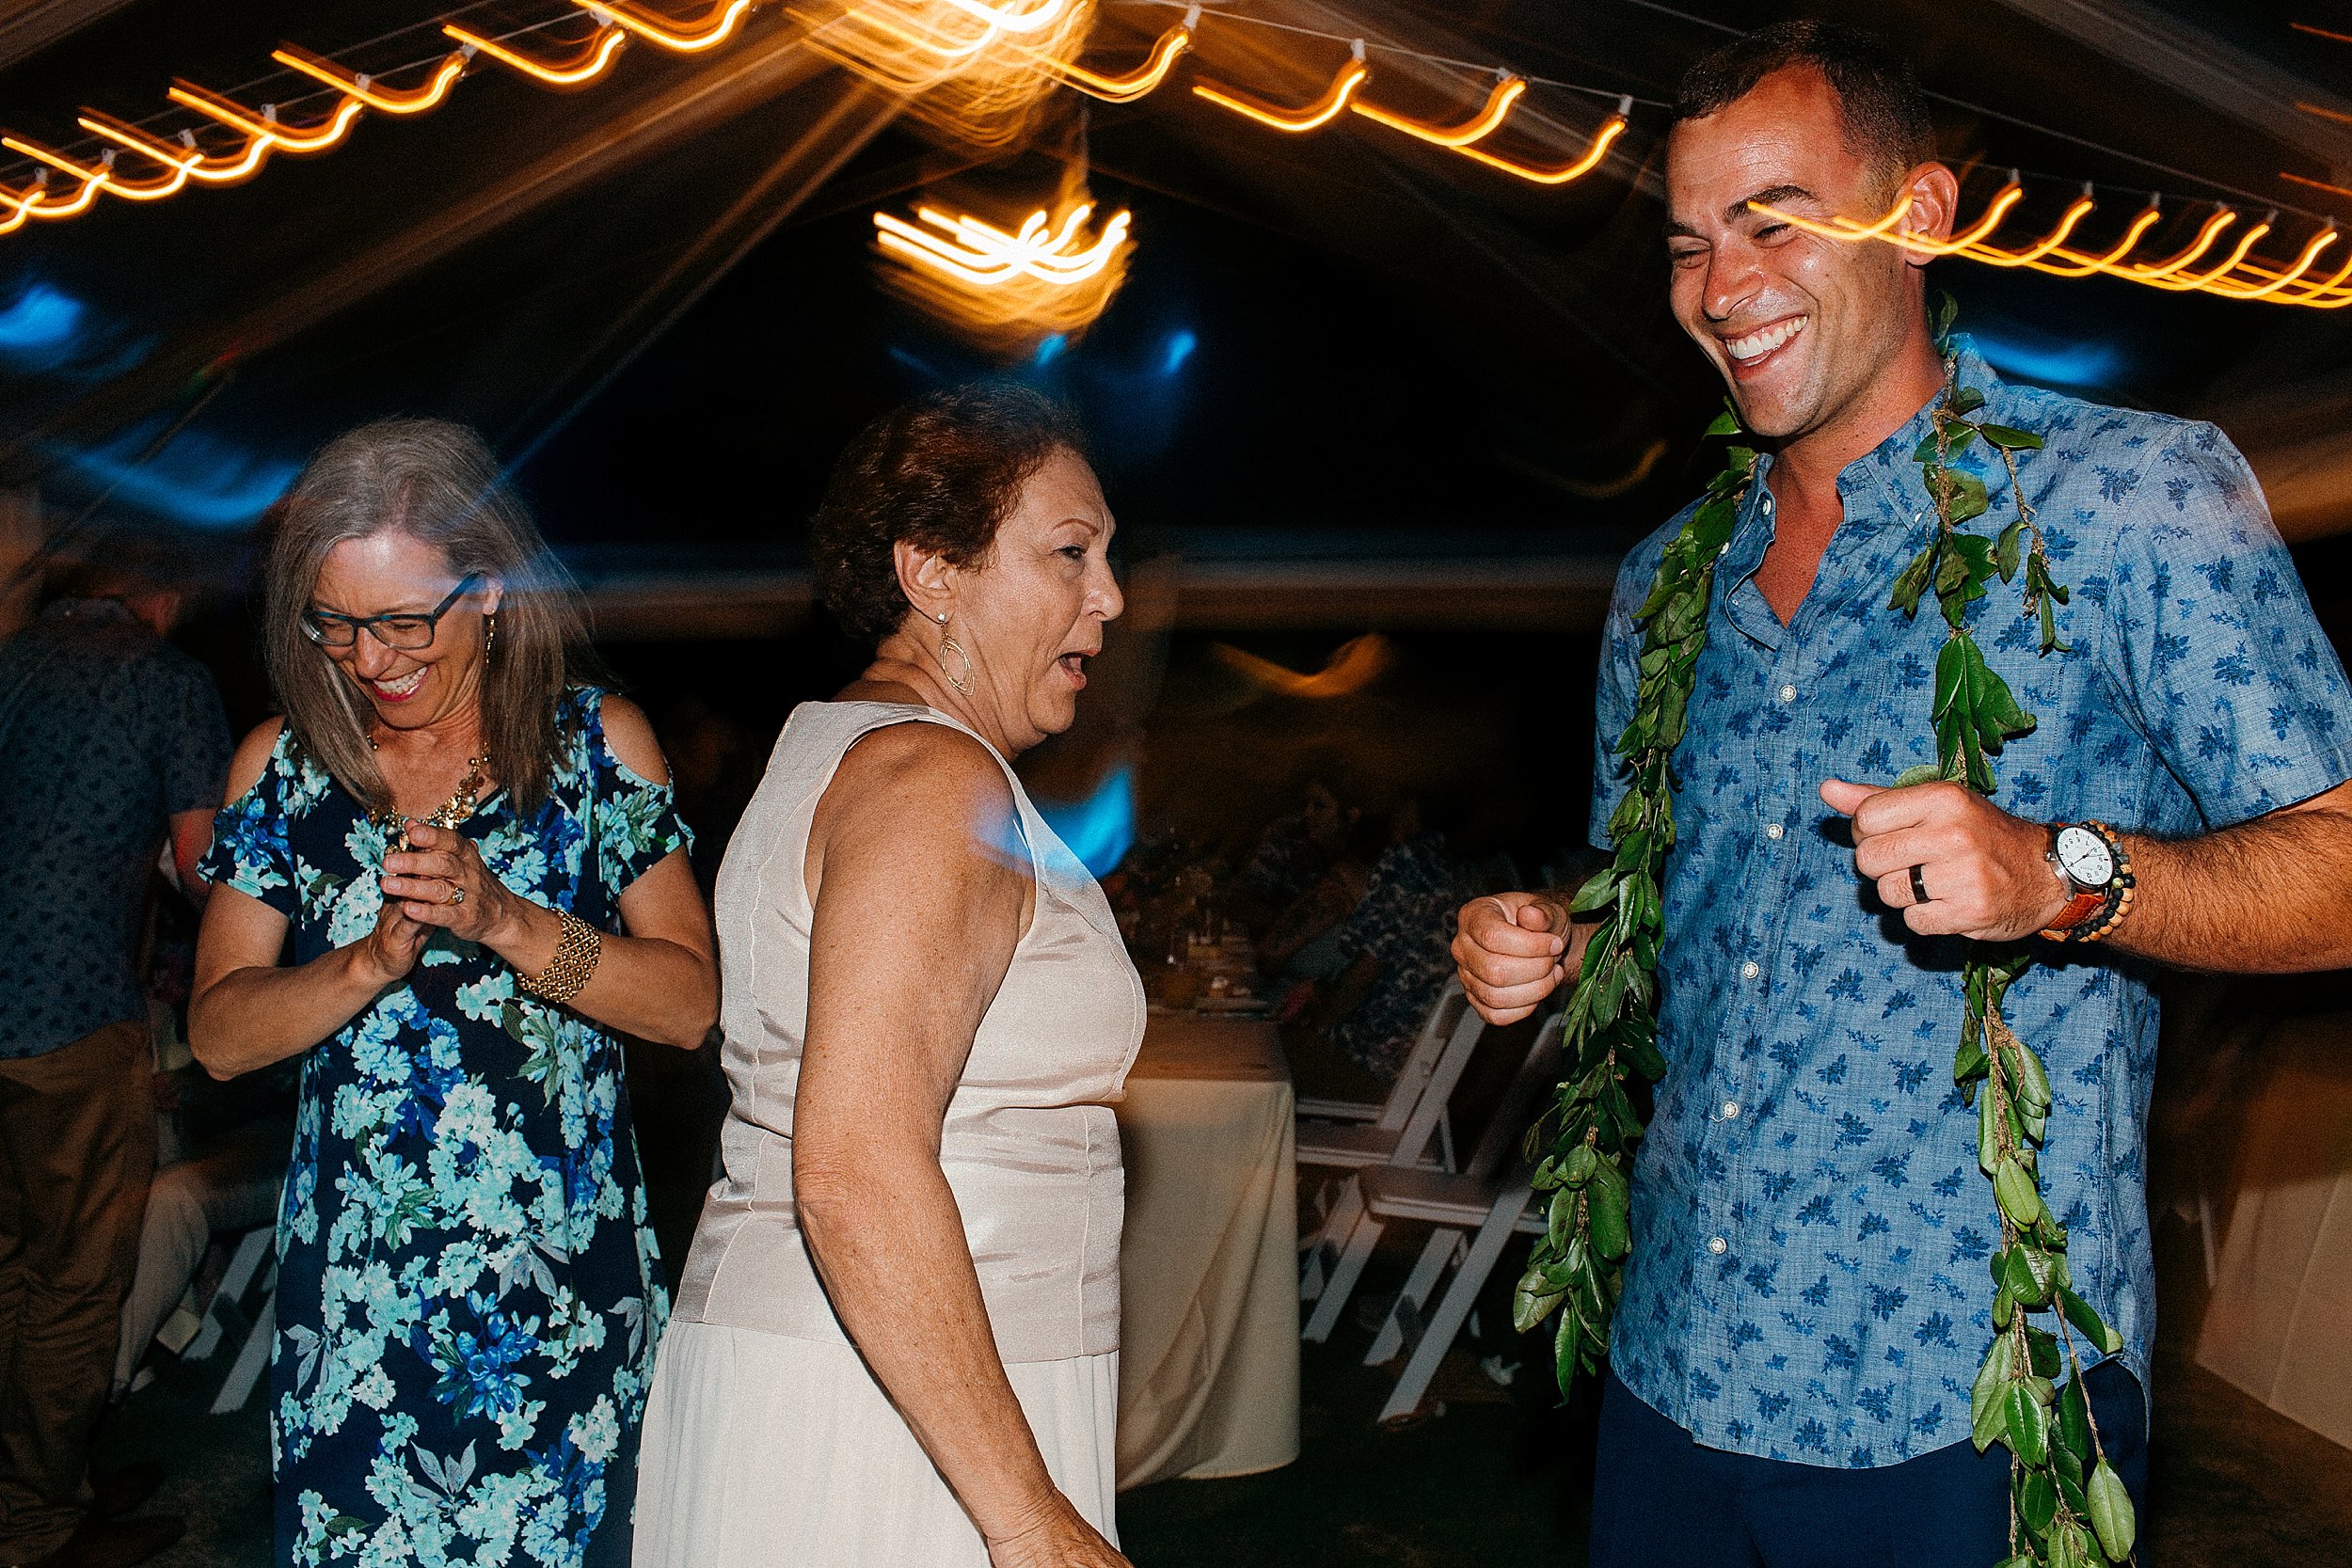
(941, 472)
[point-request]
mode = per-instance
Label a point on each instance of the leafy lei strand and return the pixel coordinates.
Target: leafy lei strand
(2068, 1507)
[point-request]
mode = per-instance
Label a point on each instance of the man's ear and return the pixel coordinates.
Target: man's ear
(924, 578)
(1934, 192)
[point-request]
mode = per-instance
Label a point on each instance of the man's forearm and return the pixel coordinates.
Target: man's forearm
(2270, 896)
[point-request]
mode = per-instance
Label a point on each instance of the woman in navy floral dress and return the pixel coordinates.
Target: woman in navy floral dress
(456, 836)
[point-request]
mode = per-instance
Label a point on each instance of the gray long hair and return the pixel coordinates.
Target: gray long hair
(435, 482)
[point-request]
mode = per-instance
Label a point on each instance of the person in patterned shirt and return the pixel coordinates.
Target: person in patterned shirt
(1805, 1304)
(469, 1293)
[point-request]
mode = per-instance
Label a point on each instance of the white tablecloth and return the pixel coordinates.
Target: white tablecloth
(2280, 1322)
(1209, 1284)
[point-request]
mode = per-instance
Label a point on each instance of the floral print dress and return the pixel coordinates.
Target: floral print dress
(468, 1289)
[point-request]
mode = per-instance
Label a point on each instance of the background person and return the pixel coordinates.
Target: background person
(896, 1335)
(112, 743)
(469, 1293)
(1805, 1305)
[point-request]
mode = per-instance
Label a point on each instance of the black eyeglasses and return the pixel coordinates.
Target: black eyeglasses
(407, 631)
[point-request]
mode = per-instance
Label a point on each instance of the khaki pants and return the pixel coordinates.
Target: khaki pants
(77, 1149)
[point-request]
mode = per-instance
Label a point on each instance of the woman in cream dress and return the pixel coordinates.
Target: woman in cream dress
(895, 1340)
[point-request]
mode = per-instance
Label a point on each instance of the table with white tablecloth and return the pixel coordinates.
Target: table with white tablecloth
(2280, 1322)
(1209, 1283)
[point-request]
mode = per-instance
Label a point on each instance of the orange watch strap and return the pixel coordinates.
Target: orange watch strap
(2078, 909)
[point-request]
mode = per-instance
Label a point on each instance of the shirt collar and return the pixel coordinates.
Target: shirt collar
(1884, 484)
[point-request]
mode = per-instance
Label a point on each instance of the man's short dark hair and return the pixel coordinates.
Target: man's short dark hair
(1885, 113)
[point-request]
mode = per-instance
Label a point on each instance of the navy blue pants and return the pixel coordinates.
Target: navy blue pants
(1660, 1500)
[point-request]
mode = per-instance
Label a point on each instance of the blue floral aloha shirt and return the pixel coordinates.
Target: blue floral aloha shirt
(468, 1289)
(1808, 1279)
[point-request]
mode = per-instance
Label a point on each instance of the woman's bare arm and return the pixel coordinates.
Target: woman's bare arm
(917, 915)
(244, 1009)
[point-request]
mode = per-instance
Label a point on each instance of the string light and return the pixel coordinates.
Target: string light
(266, 125)
(713, 28)
(101, 177)
(360, 86)
(1007, 288)
(608, 43)
(1561, 176)
(984, 255)
(1312, 117)
(1508, 91)
(186, 156)
(1145, 79)
(979, 72)
(2236, 276)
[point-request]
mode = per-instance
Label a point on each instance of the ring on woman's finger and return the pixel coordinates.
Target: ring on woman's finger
(456, 894)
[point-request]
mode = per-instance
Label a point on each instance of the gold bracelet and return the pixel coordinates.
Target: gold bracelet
(575, 960)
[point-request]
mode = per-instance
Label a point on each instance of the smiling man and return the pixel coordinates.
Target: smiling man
(1806, 1300)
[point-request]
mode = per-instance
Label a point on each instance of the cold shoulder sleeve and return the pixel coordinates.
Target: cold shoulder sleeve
(250, 851)
(635, 822)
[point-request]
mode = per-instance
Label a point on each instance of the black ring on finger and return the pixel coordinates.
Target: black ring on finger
(1920, 885)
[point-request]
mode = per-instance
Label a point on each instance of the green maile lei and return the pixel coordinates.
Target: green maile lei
(2068, 1507)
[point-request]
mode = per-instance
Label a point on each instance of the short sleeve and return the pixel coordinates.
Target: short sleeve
(250, 851)
(1613, 692)
(634, 820)
(2210, 644)
(192, 739)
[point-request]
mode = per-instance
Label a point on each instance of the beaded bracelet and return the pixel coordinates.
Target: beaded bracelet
(2122, 889)
(575, 960)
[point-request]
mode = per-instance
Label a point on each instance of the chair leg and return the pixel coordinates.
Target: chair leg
(1436, 1253)
(1324, 1249)
(251, 1362)
(233, 1281)
(1447, 1320)
(1344, 1273)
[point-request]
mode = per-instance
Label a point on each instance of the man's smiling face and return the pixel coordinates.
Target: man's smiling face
(1801, 326)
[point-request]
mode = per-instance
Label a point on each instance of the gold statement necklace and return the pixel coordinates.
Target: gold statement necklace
(450, 813)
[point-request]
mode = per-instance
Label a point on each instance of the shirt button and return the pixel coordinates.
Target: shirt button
(1748, 971)
(1731, 1109)
(1773, 831)
(1787, 693)
(1717, 1246)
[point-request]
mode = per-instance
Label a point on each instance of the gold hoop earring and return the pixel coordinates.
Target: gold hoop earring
(963, 683)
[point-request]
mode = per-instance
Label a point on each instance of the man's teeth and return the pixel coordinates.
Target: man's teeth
(1756, 344)
(402, 686)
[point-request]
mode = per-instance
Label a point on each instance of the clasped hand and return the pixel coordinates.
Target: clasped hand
(439, 882)
(1986, 873)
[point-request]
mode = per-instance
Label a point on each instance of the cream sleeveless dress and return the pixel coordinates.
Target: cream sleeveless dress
(767, 1441)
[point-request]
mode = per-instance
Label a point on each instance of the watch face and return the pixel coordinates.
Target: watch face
(2084, 856)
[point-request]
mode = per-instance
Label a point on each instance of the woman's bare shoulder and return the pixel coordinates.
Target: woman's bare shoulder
(251, 758)
(914, 772)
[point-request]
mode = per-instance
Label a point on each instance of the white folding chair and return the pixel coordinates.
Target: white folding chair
(1351, 1232)
(1473, 1213)
(1414, 1117)
(254, 1251)
(1414, 1113)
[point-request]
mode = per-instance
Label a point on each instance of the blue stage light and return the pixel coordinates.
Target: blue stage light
(1101, 829)
(40, 323)
(1180, 343)
(198, 480)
